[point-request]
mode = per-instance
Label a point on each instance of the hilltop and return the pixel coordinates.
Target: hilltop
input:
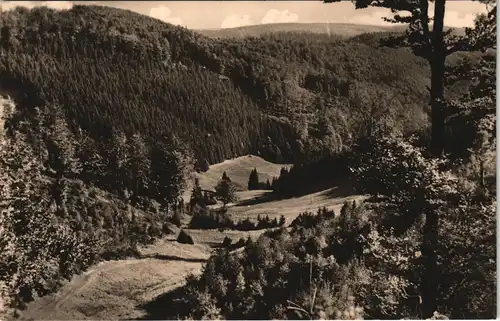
(238, 170)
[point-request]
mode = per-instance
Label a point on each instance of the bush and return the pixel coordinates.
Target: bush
(310, 220)
(220, 219)
(227, 242)
(271, 275)
(184, 238)
(241, 243)
(202, 165)
(211, 219)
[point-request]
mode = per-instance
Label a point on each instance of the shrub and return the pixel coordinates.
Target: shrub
(211, 219)
(184, 238)
(269, 279)
(220, 219)
(241, 243)
(227, 242)
(225, 191)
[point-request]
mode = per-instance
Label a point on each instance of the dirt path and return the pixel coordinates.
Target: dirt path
(115, 289)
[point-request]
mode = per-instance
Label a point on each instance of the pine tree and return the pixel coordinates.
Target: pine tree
(268, 185)
(170, 168)
(253, 180)
(225, 177)
(225, 192)
(138, 165)
(434, 44)
(197, 196)
(282, 220)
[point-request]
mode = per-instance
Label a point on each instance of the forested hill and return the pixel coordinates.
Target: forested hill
(285, 96)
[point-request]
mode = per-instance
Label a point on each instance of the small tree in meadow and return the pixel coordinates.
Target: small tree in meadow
(225, 177)
(282, 220)
(225, 191)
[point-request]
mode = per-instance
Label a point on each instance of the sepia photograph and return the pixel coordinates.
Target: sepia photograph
(248, 160)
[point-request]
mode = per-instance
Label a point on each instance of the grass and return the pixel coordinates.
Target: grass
(114, 289)
(292, 207)
(121, 289)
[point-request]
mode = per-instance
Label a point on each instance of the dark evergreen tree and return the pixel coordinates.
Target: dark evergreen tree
(202, 165)
(225, 177)
(184, 238)
(253, 180)
(225, 191)
(282, 220)
(268, 185)
(197, 197)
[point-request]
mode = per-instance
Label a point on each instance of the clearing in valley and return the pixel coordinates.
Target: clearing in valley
(119, 289)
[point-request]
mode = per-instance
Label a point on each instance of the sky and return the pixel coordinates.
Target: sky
(230, 14)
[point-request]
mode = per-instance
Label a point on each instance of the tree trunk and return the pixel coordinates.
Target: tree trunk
(437, 62)
(430, 278)
(481, 174)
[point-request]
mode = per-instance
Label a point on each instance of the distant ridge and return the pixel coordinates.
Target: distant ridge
(336, 29)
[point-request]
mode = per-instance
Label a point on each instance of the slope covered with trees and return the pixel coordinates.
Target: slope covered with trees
(113, 69)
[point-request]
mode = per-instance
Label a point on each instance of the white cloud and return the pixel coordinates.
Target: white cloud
(234, 21)
(164, 14)
(374, 19)
(276, 16)
(58, 5)
(8, 5)
(453, 19)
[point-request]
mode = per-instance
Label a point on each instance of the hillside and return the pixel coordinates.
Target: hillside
(238, 170)
(116, 70)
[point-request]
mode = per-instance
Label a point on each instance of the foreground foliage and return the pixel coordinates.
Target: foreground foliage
(62, 212)
(370, 260)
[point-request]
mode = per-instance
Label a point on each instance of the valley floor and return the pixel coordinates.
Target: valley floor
(121, 289)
